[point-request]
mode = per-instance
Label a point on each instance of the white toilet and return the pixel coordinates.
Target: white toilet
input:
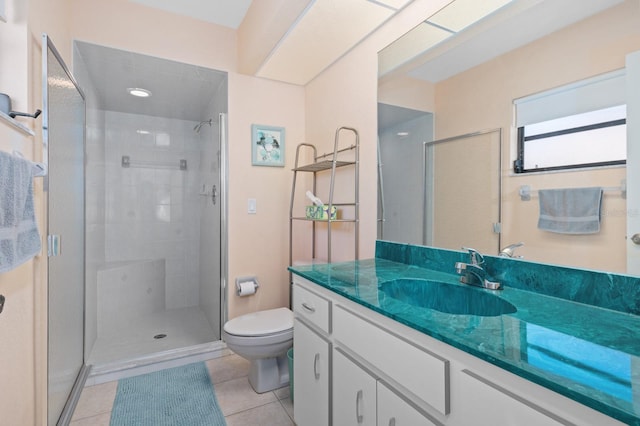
(263, 337)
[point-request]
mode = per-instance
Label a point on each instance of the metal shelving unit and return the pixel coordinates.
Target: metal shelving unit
(325, 163)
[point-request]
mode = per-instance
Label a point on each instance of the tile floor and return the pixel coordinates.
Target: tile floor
(240, 404)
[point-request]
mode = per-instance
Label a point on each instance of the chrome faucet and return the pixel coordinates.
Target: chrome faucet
(508, 250)
(473, 273)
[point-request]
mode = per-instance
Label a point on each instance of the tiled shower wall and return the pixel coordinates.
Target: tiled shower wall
(152, 207)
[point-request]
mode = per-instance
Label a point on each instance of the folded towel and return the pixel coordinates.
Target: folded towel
(19, 237)
(570, 211)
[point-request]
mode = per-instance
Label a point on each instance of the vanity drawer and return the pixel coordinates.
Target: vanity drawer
(481, 397)
(421, 372)
(312, 307)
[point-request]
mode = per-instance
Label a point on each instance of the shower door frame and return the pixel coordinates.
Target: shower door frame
(224, 216)
(83, 369)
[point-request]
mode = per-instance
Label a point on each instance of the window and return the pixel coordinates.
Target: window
(597, 138)
(578, 125)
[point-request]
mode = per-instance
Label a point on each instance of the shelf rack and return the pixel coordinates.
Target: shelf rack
(323, 163)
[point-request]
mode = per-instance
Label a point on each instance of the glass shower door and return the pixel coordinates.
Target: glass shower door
(63, 123)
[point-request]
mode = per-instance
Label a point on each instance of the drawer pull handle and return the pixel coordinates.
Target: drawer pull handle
(392, 421)
(358, 400)
(308, 308)
(315, 366)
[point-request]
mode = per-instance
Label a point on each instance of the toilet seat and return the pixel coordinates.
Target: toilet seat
(262, 323)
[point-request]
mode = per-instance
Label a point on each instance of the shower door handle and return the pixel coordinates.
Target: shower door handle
(53, 245)
(214, 194)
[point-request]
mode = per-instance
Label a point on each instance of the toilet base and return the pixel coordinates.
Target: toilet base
(267, 374)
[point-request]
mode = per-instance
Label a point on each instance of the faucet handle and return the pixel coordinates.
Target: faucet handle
(475, 256)
(508, 250)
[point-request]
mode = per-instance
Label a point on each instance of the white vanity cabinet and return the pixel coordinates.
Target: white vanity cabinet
(311, 372)
(354, 393)
(481, 398)
(360, 399)
(312, 358)
(393, 410)
(387, 374)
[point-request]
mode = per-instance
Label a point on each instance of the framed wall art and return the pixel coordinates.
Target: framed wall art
(267, 146)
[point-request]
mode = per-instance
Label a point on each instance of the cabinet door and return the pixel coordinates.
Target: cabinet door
(354, 393)
(310, 376)
(485, 403)
(395, 411)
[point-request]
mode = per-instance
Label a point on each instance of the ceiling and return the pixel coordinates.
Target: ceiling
(390, 116)
(512, 25)
(178, 90)
(458, 37)
(228, 13)
(438, 48)
(323, 33)
(325, 27)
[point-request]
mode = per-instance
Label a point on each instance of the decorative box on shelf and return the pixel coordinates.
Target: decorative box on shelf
(321, 212)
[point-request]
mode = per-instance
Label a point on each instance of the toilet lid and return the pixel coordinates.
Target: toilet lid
(261, 323)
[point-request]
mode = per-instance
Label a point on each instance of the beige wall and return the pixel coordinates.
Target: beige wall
(258, 243)
(482, 98)
(407, 92)
(122, 24)
(17, 320)
(346, 95)
(23, 321)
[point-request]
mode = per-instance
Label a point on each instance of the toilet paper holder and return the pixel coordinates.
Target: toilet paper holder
(246, 280)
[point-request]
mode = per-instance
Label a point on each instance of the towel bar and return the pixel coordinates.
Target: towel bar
(525, 191)
(126, 163)
(39, 169)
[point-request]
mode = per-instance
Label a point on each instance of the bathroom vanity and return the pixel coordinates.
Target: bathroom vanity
(376, 343)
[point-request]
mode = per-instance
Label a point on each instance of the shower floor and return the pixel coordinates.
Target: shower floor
(183, 327)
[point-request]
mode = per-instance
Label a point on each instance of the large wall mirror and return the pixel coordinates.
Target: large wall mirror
(447, 128)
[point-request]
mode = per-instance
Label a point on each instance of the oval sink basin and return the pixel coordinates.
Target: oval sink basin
(447, 298)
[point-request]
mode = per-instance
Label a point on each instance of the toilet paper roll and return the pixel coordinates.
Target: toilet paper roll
(246, 288)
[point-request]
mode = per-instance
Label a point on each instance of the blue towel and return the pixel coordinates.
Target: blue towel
(19, 237)
(570, 211)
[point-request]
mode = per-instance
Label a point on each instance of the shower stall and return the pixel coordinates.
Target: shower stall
(402, 133)
(155, 171)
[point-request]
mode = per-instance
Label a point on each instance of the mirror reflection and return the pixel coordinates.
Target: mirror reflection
(452, 95)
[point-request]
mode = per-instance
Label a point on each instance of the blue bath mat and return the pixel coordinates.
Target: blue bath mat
(176, 396)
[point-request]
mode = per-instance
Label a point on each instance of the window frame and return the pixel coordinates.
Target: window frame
(518, 164)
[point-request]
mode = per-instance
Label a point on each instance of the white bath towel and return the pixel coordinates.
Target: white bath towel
(19, 237)
(570, 211)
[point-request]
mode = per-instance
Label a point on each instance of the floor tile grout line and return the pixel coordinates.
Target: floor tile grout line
(285, 408)
(89, 417)
(259, 406)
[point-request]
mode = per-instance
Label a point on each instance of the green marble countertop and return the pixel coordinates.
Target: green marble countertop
(587, 353)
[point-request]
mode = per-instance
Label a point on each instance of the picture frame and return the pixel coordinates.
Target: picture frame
(267, 145)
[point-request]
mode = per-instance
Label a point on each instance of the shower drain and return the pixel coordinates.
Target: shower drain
(160, 336)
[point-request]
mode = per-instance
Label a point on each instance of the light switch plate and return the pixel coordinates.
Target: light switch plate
(251, 206)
